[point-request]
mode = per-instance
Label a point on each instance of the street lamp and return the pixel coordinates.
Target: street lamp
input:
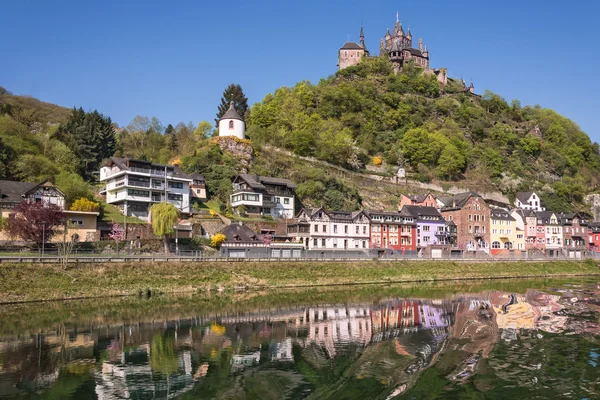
(43, 237)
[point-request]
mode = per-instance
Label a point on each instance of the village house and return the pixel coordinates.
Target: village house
(331, 230)
(471, 214)
(594, 236)
(528, 201)
(424, 200)
(431, 227)
(534, 236)
(505, 235)
(392, 230)
(263, 195)
(79, 226)
(134, 185)
(552, 227)
(575, 235)
(198, 187)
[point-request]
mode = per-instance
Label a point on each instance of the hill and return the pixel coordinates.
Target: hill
(366, 114)
(28, 110)
(335, 139)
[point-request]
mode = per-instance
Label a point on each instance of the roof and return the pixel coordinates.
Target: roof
(545, 216)
(12, 191)
(122, 164)
(421, 211)
(443, 199)
(351, 46)
(458, 201)
(501, 215)
(395, 45)
(231, 113)
(340, 215)
(258, 181)
(236, 233)
(523, 197)
(416, 52)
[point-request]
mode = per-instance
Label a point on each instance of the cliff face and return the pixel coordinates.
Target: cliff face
(240, 148)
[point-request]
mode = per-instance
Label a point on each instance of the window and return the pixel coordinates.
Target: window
(324, 228)
(176, 185)
(364, 230)
(315, 242)
(175, 197)
(426, 228)
(78, 222)
(495, 245)
(508, 245)
(364, 244)
(470, 229)
(316, 228)
(335, 229)
(345, 228)
(358, 231)
(286, 201)
(323, 243)
(230, 124)
(138, 193)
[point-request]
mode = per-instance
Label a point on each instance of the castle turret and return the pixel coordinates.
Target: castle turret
(408, 39)
(421, 44)
(388, 39)
(426, 52)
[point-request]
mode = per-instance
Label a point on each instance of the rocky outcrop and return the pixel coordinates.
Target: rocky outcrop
(240, 148)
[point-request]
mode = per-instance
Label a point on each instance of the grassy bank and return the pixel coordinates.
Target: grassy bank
(28, 282)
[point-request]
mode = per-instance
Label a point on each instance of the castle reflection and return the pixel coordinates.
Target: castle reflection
(306, 350)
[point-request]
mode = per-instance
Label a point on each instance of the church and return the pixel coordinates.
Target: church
(397, 45)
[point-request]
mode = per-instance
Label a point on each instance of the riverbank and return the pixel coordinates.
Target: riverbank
(33, 282)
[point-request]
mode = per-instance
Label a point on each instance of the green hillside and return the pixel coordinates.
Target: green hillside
(326, 137)
(437, 133)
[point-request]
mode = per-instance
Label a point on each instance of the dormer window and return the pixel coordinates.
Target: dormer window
(230, 124)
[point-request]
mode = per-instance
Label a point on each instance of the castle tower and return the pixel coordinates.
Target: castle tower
(408, 39)
(421, 44)
(231, 124)
(352, 53)
(395, 55)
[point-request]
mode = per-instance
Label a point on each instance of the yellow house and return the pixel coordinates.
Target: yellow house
(504, 235)
(81, 226)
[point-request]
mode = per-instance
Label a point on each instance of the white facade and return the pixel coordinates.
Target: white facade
(231, 124)
(336, 230)
(263, 195)
(232, 127)
(529, 202)
(134, 189)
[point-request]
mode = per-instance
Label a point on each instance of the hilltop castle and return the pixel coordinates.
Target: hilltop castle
(398, 47)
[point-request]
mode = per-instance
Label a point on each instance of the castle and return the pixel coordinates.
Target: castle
(398, 47)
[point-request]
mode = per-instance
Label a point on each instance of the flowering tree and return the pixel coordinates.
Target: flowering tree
(216, 240)
(266, 238)
(84, 204)
(117, 234)
(35, 222)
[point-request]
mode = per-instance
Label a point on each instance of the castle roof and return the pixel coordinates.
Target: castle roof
(395, 45)
(351, 46)
(362, 33)
(231, 113)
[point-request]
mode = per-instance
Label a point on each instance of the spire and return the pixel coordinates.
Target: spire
(397, 19)
(421, 44)
(409, 35)
(362, 38)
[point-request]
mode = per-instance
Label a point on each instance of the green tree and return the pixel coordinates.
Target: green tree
(73, 186)
(164, 217)
(91, 136)
(234, 93)
(203, 130)
(451, 163)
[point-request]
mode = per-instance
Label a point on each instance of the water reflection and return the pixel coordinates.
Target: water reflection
(494, 343)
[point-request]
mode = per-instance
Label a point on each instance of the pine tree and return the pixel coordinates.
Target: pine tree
(171, 136)
(234, 93)
(91, 136)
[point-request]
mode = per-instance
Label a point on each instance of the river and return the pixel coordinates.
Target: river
(519, 339)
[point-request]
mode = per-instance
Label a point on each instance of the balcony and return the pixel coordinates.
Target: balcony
(138, 184)
(479, 234)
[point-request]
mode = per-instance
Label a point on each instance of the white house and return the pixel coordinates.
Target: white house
(263, 195)
(332, 230)
(231, 124)
(528, 201)
(134, 185)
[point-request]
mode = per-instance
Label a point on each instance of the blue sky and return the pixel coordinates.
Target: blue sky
(172, 60)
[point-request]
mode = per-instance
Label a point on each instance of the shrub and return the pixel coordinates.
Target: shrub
(216, 240)
(84, 204)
